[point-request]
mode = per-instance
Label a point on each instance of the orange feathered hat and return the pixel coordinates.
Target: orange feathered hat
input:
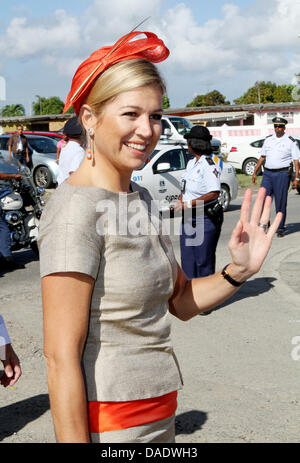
(150, 48)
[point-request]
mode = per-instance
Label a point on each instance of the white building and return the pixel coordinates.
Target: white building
(231, 123)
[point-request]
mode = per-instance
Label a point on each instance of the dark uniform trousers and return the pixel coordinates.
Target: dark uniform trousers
(5, 250)
(277, 186)
(200, 260)
(4, 239)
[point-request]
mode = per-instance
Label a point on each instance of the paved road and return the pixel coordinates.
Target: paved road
(240, 366)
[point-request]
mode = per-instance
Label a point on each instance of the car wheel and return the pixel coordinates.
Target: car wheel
(249, 166)
(224, 197)
(34, 248)
(42, 177)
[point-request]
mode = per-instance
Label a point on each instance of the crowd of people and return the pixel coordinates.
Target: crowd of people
(107, 333)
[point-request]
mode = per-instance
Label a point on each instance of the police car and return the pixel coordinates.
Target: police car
(161, 175)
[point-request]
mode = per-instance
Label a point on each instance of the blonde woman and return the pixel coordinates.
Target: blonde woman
(108, 286)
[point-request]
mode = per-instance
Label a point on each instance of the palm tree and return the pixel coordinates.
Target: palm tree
(13, 110)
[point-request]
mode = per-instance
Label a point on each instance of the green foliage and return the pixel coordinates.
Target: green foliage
(52, 105)
(165, 102)
(213, 98)
(266, 92)
(13, 110)
(70, 110)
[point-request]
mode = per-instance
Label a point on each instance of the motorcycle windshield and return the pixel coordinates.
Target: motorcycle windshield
(9, 166)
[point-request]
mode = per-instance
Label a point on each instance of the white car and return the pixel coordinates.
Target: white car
(244, 155)
(161, 175)
(175, 127)
(42, 153)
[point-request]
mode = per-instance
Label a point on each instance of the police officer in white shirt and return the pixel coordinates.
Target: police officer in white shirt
(200, 187)
(73, 153)
(279, 153)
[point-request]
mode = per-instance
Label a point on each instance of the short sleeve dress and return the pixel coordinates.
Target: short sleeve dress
(118, 240)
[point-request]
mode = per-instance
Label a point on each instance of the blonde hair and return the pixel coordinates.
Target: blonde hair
(122, 77)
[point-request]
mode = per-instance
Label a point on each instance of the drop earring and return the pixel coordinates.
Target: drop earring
(90, 148)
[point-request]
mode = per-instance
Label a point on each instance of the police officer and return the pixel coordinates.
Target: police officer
(279, 153)
(200, 184)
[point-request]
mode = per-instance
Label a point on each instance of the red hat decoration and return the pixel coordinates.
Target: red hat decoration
(150, 48)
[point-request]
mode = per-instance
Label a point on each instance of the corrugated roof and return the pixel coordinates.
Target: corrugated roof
(218, 116)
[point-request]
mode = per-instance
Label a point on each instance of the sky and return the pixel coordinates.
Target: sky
(222, 45)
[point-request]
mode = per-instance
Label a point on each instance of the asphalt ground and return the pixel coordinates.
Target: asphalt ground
(240, 363)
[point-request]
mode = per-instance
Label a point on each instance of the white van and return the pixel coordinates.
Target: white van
(174, 128)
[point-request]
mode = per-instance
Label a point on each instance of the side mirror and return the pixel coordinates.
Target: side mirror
(167, 132)
(163, 167)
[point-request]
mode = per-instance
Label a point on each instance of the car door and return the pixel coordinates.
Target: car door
(166, 184)
(4, 147)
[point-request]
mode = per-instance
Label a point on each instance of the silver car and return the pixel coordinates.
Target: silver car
(42, 154)
(161, 175)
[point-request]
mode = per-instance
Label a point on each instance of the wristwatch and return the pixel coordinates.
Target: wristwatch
(189, 204)
(297, 178)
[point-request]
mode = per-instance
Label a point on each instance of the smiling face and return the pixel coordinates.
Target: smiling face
(129, 128)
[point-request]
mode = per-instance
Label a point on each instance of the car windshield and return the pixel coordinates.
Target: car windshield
(181, 124)
(148, 159)
(42, 145)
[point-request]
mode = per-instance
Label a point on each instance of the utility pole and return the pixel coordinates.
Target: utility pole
(258, 91)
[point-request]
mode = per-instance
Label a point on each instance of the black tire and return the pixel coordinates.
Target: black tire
(34, 248)
(225, 197)
(249, 166)
(42, 177)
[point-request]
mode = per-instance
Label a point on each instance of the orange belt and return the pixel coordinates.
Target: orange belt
(113, 416)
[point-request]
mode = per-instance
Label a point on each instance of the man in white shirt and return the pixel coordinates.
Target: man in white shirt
(72, 154)
(279, 153)
(18, 146)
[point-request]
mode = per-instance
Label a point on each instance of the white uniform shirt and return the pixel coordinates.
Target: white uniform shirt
(279, 151)
(201, 177)
(4, 337)
(70, 159)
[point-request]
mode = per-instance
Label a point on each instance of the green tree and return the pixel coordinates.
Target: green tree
(70, 110)
(213, 98)
(165, 102)
(52, 105)
(13, 110)
(266, 92)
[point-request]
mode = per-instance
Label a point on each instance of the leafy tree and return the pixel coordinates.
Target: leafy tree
(13, 110)
(70, 110)
(52, 105)
(165, 102)
(213, 98)
(266, 92)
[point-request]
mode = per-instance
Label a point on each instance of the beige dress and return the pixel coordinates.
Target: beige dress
(128, 353)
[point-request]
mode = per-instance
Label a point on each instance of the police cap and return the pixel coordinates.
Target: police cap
(73, 128)
(199, 131)
(279, 121)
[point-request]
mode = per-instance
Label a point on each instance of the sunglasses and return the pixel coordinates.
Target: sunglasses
(278, 126)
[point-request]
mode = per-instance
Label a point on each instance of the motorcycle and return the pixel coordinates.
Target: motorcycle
(21, 204)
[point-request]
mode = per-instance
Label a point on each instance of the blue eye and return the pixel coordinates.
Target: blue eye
(157, 117)
(130, 114)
